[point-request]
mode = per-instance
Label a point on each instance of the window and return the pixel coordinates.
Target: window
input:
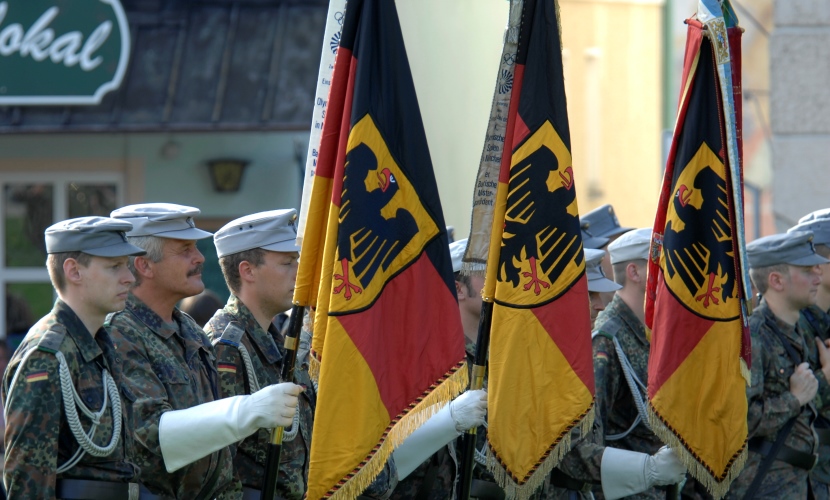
(31, 203)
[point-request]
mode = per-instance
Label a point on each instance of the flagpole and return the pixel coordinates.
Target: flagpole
(468, 444)
(272, 461)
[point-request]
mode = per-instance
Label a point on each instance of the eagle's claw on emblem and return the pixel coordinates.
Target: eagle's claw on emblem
(346, 284)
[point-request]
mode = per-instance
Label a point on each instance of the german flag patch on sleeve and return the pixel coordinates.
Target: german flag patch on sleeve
(226, 367)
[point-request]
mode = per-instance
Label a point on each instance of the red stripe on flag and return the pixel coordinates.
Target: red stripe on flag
(409, 329)
(677, 333)
(569, 329)
(334, 111)
(345, 127)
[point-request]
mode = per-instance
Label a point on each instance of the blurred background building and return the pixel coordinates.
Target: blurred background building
(215, 103)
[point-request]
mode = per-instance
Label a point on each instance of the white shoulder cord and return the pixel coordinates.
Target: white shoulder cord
(254, 384)
(85, 438)
(70, 398)
(634, 384)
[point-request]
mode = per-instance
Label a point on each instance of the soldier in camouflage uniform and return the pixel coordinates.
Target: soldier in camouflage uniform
(785, 393)
(258, 258)
(621, 349)
(47, 456)
(815, 322)
(589, 462)
(180, 426)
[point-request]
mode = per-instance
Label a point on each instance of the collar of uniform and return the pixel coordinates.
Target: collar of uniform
(785, 328)
(76, 329)
(470, 347)
(191, 333)
(629, 318)
(147, 316)
(264, 340)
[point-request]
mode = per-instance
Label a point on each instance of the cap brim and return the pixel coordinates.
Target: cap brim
(810, 260)
(595, 242)
(117, 250)
(616, 232)
(190, 233)
(602, 285)
(282, 246)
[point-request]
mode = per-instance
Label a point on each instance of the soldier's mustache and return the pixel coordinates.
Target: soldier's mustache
(196, 270)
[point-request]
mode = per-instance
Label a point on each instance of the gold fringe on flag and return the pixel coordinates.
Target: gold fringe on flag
(442, 392)
(717, 485)
(522, 489)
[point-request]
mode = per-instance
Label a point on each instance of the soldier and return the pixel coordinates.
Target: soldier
(815, 322)
(619, 472)
(621, 355)
(49, 451)
(783, 395)
(180, 426)
(258, 258)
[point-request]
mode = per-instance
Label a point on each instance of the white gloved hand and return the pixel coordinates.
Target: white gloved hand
(664, 468)
(626, 472)
(272, 406)
(193, 433)
(469, 409)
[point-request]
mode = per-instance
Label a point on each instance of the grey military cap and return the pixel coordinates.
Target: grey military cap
(600, 224)
(457, 249)
(633, 245)
(273, 230)
(597, 282)
(99, 236)
(164, 220)
(818, 223)
(794, 248)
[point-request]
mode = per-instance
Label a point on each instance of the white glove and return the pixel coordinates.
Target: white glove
(469, 409)
(626, 472)
(188, 435)
(439, 430)
(272, 406)
(664, 468)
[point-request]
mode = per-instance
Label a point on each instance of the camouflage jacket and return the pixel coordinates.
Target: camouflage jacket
(814, 322)
(771, 404)
(38, 438)
(266, 352)
(166, 370)
(616, 410)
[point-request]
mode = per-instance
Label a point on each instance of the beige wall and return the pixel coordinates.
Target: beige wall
(612, 68)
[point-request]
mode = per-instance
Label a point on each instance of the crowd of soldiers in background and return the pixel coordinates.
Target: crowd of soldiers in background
(117, 393)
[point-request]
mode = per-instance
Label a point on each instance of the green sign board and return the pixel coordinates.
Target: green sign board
(61, 52)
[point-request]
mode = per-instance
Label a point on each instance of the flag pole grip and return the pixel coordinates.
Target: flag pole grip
(468, 442)
(272, 461)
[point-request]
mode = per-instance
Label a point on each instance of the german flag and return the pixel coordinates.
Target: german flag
(695, 301)
(387, 332)
(541, 378)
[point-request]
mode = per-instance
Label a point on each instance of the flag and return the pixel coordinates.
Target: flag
(541, 377)
(696, 295)
(387, 332)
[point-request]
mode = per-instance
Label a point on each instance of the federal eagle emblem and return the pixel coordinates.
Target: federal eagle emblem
(383, 226)
(541, 254)
(698, 257)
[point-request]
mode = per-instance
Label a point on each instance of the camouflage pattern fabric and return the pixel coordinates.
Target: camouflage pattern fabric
(771, 405)
(267, 353)
(167, 369)
(616, 410)
(38, 438)
(815, 322)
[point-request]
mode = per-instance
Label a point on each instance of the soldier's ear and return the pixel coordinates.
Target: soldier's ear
(246, 271)
(460, 290)
(143, 267)
(71, 270)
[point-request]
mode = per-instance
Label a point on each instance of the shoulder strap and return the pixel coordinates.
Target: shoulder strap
(232, 335)
(51, 341)
(608, 330)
